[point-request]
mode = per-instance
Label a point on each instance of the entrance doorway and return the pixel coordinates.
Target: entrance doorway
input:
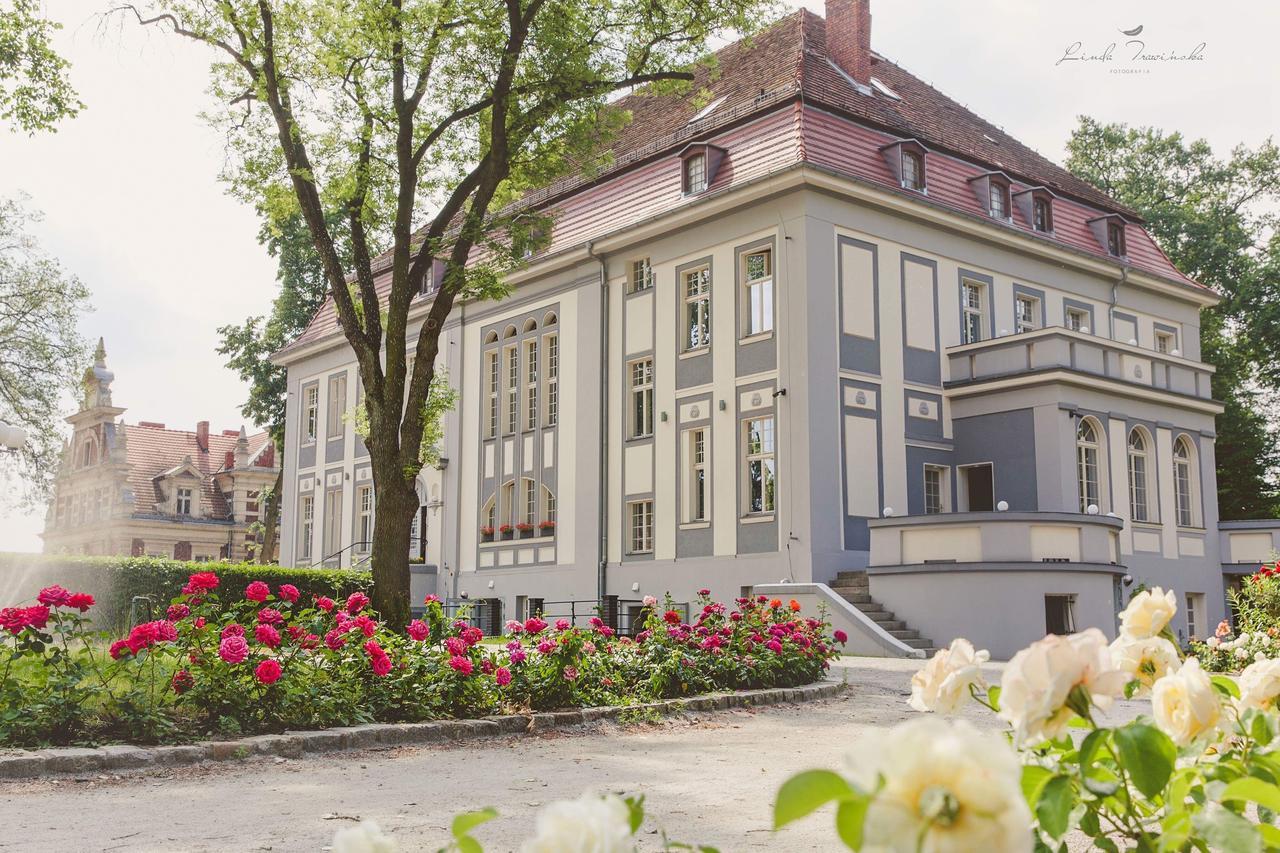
(977, 488)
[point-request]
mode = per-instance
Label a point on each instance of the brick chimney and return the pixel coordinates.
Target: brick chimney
(849, 37)
(202, 435)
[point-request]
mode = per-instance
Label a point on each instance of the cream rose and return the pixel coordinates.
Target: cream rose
(1038, 681)
(364, 837)
(1260, 685)
(1146, 660)
(943, 684)
(589, 824)
(1184, 703)
(947, 787)
(1148, 613)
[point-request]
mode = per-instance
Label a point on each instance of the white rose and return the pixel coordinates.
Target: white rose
(1242, 654)
(1148, 613)
(1145, 660)
(1037, 682)
(364, 837)
(1213, 642)
(1184, 703)
(1259, 685)
(946, 787)
(943, 684)
(589, 824)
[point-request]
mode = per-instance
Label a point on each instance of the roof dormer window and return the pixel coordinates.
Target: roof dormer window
(1115, 239)
(1041, 215)
(998, 204)
(1036, 206)
(912, 171)
(698, 164)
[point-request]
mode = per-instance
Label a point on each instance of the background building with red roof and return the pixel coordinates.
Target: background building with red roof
(145, 490)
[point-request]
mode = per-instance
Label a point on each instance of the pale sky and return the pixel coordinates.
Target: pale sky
(133, 205)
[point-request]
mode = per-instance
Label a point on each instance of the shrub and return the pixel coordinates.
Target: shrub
(1256, 635)
(233, 653)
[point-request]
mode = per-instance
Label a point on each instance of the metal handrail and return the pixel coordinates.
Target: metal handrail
(339, 554)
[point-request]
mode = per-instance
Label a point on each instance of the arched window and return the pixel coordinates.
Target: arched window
(1139, 470)
(505, 513)
(548, 507)
(490, 513)
(491, 338)
(1088, 445)
(1184, 481)
(550, 319)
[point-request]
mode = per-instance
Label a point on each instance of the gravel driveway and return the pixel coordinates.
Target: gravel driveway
(708, 779)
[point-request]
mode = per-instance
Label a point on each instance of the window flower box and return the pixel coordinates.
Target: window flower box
(506, 531)
(486, 534)
(525, 528)
(547, 528)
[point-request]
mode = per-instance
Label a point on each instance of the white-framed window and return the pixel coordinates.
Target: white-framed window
(310, 413)
(697, 308)
(1027, 311)
(757, 272)
(640, 540)
(492, 379)
(513, 388)
(1088, 444)
(936, 489)
(912, 170)
(695, 173)
(548, 505)
(641, 276)
(553, 380)
(696, 488)
(364, 518)
(332, 523)
(973, 298)
(641, 381)
(1041, 214)
(1184, 484)
(1165, 342)
(529, 515)
(1077, 319)
(334, 424)
(531, 384)
(184, 501)
(999, 194)
(760, 465)
(1139, 450)
(1195, 617)
(306, 517)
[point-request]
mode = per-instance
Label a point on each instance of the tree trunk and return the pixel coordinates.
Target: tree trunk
(397, 504)
(271, 521)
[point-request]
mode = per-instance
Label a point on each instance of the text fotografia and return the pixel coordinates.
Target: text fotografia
(1129, 57)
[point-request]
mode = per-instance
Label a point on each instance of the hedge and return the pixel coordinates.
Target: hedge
(115, 581)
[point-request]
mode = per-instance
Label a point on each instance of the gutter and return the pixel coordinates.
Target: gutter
(602, 562)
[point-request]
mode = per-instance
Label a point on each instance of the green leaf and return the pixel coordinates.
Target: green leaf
(1270, 835)
(1053, 810)
(1033, 781)
(635, 812)
(467, 821)
(993, 696)
(1226, 686)
(1089, 748)
(1253, 790)
(1226, 830)
(1147, 754)
(1175, 829)
(1260, 729)
(807, 791)
(467, 844)
(849, 816)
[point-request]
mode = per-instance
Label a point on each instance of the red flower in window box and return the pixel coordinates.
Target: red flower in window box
(546, 525)
(486, 531)
(506, 528)
(524, 527)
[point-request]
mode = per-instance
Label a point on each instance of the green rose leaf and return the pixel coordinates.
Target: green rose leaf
(807, 791)
(1225, 685)
(467, 821)
(1175, 829)
(635, 812)
(1033, 781)
(1053, 810)
(849, 816)
(1147, 754)
(1260, 729)
(993, 696)
(1253, 790)
(1226, 830)
(1089, 748)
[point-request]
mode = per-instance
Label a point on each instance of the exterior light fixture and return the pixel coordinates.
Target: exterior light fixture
(1003, 506)
(1092, 509)
(635, 587)
(887, 512)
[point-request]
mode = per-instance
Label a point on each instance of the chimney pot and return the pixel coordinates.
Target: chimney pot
(202, 435)
(849, 37)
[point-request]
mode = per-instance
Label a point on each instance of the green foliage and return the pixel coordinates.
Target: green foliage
(35, 93)
(1216, 219)
(42, 355)
(1256, 605)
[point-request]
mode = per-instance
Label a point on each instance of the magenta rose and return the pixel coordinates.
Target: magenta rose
(418, 630)
(461, 664)
(289, 592)
(356, 602)
(267, 635)
(233, 649)
(257, 591)
(268, 672)
(502, 676)
(54, 596)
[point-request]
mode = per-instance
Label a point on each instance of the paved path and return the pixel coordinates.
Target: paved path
(709, 780)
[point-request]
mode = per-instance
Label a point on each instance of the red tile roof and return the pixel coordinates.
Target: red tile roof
(779, 103)
(153, 450)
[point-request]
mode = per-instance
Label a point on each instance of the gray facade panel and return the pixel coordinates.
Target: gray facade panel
(857, 352)
(1007, 441)
(919, 365)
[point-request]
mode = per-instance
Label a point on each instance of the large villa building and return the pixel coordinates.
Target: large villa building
(828, 327)
(146, 490)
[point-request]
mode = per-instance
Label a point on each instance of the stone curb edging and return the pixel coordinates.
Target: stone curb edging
(295, 744)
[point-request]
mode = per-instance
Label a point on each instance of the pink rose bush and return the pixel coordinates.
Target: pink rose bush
(227, 660)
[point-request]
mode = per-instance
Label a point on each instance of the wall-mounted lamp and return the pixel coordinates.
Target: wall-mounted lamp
(662, 416)
(635, 587)
(722, 406)
(887, 512)
(490, 584)
(1003, 506)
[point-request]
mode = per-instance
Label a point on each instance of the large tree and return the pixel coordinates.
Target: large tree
(248, 346)
(41, 354)
(424, 121)
(35, 91)
(1216, 219)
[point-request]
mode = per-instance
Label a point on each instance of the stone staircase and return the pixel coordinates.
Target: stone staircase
(855, 588)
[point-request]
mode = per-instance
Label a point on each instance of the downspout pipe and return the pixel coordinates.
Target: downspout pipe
(602, 561)
(1115, 300)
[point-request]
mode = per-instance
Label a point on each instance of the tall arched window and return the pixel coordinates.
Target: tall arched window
(1184, 484)
(1088, 444)
(1139, 506)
